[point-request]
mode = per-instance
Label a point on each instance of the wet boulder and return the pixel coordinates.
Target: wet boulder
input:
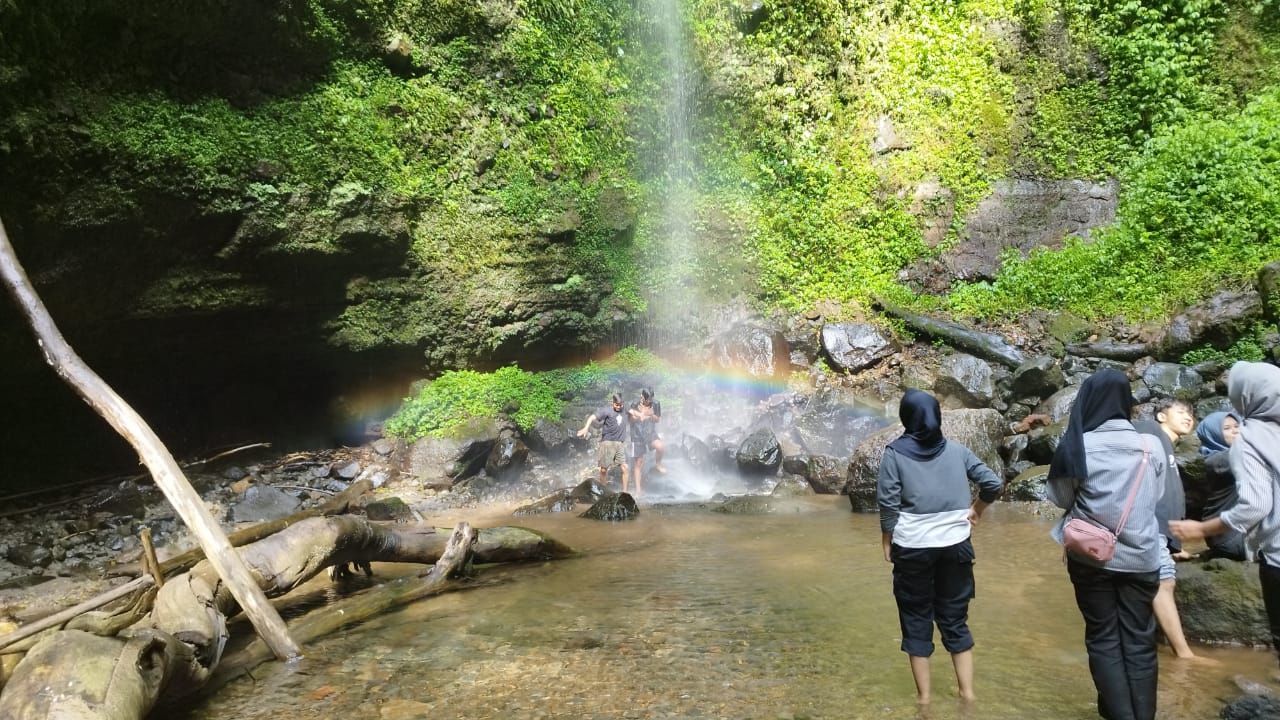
(696, 452)
(758, 351)
(835, 419)
(1252, 707)
(1172, 380)
(980, 430)
(1037, 378)
(724, 453)
(549, 437)
(805, 348)
(1269, 290)
(1220, 601)
(29, 555)
(126, 498)
(1058, 405)
(565, 499)
(824, 473)
(613, 507)
(1028, 485)
(790, 486)
(390, 509)
(780, 411)
(508, 457)
(1042, 442)
(964, 381)
(759, 455)
(747, 505)
(854, 347)
(347, 470)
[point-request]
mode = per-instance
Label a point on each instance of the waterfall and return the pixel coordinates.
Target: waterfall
(669, 282)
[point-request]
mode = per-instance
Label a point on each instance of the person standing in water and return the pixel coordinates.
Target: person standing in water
(925, 521)
(613, 423)
(644, 416)
(1254, 391)
(1174, 420)
(1217, 432)
(1102, 471)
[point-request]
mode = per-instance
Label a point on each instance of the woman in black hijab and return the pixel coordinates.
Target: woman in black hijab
(1102, 465)
(925, 521)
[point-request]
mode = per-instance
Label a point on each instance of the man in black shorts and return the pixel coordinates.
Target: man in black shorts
(644, 416)
(613, 424)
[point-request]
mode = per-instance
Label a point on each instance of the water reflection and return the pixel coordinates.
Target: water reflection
(685, 613)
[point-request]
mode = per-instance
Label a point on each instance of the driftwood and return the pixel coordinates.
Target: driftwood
(1110, 350)
(442, 578)
(77, 675)
(164, 469)
(337, 505)
(984, 345)
(64, 616)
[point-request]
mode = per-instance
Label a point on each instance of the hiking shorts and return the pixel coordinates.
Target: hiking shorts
(1168, 569)
(610, 454)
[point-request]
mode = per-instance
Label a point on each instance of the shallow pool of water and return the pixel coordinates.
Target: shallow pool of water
(686, 613)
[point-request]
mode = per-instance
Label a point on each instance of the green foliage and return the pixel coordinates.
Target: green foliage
(459, 396)
(1076, 133)
(1157, 54)
(1252, 348)
(1201, 209)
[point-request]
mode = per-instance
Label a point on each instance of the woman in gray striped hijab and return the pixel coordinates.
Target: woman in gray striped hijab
(1254, 390)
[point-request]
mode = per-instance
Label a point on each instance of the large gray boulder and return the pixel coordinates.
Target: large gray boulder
(1220, 601)
(965, 381)
(759, 455)
(1027, 214)
(759, 351)
(1218, 321)
(854, 347)
(1037, 378)
(1166, 379)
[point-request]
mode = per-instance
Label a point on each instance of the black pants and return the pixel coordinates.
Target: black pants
(1120, 636)
(933, 585)
(1270, 577)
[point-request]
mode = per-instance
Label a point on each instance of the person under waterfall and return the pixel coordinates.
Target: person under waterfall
(643, 416)
(926, 519)
(613, 427)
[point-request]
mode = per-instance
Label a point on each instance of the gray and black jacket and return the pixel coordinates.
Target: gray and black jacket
(925, 504)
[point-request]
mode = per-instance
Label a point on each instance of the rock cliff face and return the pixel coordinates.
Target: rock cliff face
(247, 218)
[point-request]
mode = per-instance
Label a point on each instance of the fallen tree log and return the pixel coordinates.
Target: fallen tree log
(337, 505)
(443, 577)
(75, 675)
(987, 346)
(62, 617)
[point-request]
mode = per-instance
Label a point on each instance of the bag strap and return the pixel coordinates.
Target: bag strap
(1133, 492)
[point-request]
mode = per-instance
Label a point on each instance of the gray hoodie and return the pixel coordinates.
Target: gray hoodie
(1114, 450)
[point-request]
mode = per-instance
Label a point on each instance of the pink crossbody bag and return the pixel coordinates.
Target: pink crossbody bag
(1087, 538)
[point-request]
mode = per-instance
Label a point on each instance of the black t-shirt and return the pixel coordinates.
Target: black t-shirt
(613, 423)
(647, 430)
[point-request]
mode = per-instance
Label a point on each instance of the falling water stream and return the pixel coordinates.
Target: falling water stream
(670, 282)
(688, 613)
